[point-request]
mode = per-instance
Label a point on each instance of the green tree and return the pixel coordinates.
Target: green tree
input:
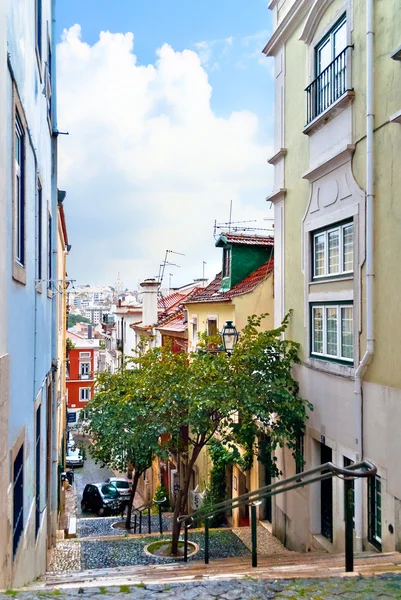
(124, 428)
(211, 394)
(74, 319)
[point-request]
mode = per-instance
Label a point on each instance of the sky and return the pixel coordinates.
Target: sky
(169, 109)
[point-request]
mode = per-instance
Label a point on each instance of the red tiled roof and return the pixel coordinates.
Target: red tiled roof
(167, 302)
(176, 325)
(243, 239)
(212, 292)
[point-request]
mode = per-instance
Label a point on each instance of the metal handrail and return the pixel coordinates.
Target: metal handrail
(325, 471)
(328, 86)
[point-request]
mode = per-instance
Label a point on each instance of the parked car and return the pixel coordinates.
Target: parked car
(74, 459)
(101, 498)
(122, 484)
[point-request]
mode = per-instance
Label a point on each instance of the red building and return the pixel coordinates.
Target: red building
(82, 363)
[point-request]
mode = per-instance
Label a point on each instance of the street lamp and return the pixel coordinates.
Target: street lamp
(229, 335)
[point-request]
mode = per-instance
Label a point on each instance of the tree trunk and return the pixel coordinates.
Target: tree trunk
(182, 498)
(131, 499)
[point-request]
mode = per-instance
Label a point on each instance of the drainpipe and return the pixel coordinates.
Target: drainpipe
(54, 470)
(369, 269)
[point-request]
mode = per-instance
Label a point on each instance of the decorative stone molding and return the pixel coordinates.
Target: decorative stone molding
(313, 19)
(396, 117)
(332, 111)
(277, 196)
(286, 27)
(329, 165)
(278, 156)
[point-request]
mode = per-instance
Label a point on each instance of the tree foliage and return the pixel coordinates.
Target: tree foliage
(74, 319)
(124, 427)
(201, 396)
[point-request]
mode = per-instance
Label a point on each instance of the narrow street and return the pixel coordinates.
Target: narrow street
(91, 472)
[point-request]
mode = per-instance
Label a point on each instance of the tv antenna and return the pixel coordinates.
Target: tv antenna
(166, 262)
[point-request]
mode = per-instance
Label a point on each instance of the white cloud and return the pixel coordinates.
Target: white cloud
(147, 165)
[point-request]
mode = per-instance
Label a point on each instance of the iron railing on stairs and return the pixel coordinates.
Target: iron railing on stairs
(252, 499)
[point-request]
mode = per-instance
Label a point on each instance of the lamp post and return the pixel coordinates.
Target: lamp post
(229, 336)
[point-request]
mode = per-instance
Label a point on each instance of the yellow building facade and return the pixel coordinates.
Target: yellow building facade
(236, 293)
(61, 390)
(337, 241)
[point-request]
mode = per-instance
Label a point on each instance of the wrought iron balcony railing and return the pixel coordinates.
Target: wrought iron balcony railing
(329, 86)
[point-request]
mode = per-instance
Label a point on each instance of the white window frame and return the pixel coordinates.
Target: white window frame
(209, 319)
(325, 355)
(341, 272)
(84, 355)
(81, 368)
(87, 391)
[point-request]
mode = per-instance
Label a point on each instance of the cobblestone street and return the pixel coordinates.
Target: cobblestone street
(384, 587)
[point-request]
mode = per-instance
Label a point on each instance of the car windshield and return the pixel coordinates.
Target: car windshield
(73, 454)
(123, 485)
(109, 490)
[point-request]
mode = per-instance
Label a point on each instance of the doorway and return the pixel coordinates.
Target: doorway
(326, 497)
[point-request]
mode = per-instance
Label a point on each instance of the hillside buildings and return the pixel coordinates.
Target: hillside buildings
(337, 243)
(82, 364)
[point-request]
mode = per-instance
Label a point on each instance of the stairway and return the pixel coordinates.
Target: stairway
(286, 566)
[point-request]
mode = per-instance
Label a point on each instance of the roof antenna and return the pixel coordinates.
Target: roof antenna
(231, 214)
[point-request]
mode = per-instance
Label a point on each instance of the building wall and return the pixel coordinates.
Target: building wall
(74, 383)
(4, 358)
(311, 171)
(30, 329)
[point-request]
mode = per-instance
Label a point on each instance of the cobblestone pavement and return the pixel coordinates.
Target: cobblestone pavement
(103, 526)
(66, 556)
(384, 587)
(126, 552)
(267, 543)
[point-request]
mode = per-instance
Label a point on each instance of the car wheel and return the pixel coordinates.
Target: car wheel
(101, 511)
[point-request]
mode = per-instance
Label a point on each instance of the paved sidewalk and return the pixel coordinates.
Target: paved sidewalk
(384, 587)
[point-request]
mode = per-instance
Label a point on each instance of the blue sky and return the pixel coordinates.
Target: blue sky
(228, 36)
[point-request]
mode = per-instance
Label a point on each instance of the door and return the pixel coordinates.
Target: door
(326, 496)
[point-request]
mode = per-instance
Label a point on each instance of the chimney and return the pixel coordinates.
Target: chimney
(150, 288)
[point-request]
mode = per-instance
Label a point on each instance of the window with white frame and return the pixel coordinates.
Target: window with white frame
(84, 355)
(85, 369)
(226, 262)
(84, 394)
(19, 217)
(212, 326)
(194, 332)
(332, 332)
(333, 251)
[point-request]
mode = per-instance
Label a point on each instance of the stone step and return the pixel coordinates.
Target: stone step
(287, 566)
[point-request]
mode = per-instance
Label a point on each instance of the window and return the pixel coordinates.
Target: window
(212, 327)
(347, 463)
(375, 511)
(194, 332)
(226, 262)
(37, 471)
(19, 217)
(39, 234)
(38, 26)
(332, 331)
(84, 355)
(85, 369)
(49, 249)
(330, 82)
(48, 82)
(18, 498)
(300, 450)
(333, 251)
(84, 394)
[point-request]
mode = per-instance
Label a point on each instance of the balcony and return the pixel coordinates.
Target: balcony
(86, 376)
(329, 92)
